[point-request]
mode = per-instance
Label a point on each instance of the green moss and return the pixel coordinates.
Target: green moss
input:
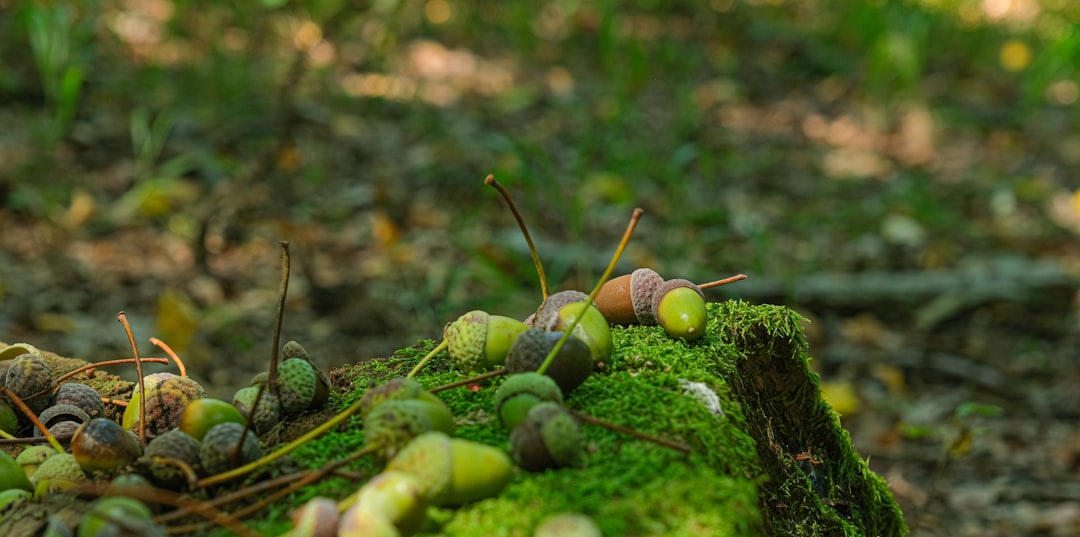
(743, 477)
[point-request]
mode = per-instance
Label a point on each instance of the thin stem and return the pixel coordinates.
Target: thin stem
(632, 432)
(122, 317)
(284, 289)
(33, 418)
(596, 290)
(491, 181)
(423, 361)
(725, 281)
(477, 378)
(120, 361)
(235, 495)
(169, 351)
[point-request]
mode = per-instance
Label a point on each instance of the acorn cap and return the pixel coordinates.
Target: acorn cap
(267, 413)
(643, 286)
(395, 388)
(297, 383)
(390, 426)
(175, 444)
(679, 306)
(547, 315)
(82, 396)
(570, 367)
(218, 451)
(466, 338)
(292, 349)
(548, 438)
(60, 470)
(519, 392)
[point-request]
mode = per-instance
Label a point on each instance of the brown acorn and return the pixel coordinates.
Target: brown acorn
(570, 367)
(82, 396)
(628, 298)
(548, 438)
(103, 445)
(167, 394)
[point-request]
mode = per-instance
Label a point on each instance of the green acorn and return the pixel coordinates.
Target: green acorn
(32, 457)
(519, 393)
(680, 308)
(452, 471)
(397, 496)
(318, 517)
(478, 341)
(358, 521)
(395, 389)
(220, 450)
(297, 384)
(102, 518)
(58, 472)
(567, 525)
(12, 475)
(201, 415)
(292, 349)
(559, 311)
(570, 367)
(393, 424)
(548, 438)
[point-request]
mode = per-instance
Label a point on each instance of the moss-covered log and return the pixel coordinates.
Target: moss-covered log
(768, 456)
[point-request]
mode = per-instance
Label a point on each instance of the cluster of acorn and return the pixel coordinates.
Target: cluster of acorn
(170, 434)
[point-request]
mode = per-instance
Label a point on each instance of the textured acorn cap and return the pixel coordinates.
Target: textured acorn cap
(519, 392)
(628, 298)
(175, 444)
(31, 379)
(547, 316)
(297, 383)
(393, 424)
(292, 349)
(82, 396)
(218, 452)
(395, 388)
(548, 438)
(570, 367)
(465, 338)
(267, 413)
(679, 306)
(60, 470)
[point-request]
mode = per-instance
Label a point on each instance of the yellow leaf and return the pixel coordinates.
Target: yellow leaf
(177, 319)
(1015, 55)
(841, 397)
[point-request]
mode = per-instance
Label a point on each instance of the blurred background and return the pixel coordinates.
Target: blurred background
(903, 173)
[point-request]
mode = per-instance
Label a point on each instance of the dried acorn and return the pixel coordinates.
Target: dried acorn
(628, 298)
(30, 378)
(520, 392)
(679, 306)
(82, 396)
(103, 445)
(570, 367)
(62, 420)
(167, 394)
(479, 341)
(548, 438)
(165, 454)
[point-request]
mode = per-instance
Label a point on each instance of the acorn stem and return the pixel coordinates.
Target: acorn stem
(724, 281)
(477, 378)
(638, 211)
(423, 361)
(34, 419)
(593, 420)
(122, 317)
(272, 376)
(491, 181)
(168, 350)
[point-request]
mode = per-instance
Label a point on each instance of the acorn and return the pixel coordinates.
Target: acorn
(679, 306)
(58, 472)
(15, 350)
(220, 450)
(567, 525)
(103, 445)
(570, 367)
(452, 471)
(292, 349)
(32, 457)
(478, 341)
(318, 517)
(177, 446)
(119, 516)
(520, 392)
(31, 379)
(128, 484)
(559, 311)
(393, 424)
(167, 394)
(267, 413)
(627, 299)
(12, 475)
(12, 496)
(397, 496)
(202, 414)
(548, 438)
(82, 396)
(9, 421)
